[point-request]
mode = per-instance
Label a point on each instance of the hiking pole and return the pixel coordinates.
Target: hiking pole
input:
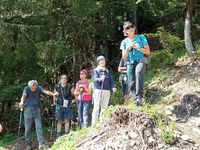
(52, 122)
(80, 105)
(19, 128)
(74, 119)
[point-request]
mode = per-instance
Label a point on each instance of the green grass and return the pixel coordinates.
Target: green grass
(69, 141)
(7, 139)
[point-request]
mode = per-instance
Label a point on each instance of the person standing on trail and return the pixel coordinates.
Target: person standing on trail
(63, 104)
(135, 48)
(123, 79)
(103, 84)
(30, 102)
(83, 98)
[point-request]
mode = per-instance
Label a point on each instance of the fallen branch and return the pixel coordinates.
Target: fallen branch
(141, 136)
(92, 138)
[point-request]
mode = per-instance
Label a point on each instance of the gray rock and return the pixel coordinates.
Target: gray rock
(151, 140)
(160, 146)
(185, 137)
(196, 122)
(133, 135)
(196, 130)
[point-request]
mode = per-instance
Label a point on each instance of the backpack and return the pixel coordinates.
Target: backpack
(146, 55)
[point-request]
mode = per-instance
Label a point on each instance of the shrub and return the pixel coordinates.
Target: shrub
(197, 46)
(170, 41)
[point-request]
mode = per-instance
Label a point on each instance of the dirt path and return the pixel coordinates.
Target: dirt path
(22, 144)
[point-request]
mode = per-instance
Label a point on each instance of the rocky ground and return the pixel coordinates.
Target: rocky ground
(128, 130)
(185, 106)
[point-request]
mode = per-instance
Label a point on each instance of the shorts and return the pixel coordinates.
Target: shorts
(63, 113)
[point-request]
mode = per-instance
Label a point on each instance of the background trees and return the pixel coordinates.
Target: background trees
(43, 39)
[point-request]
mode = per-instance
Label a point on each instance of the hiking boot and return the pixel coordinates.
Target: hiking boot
(58, 135)
(138, 101)
(66, 133)
(28, 147)
(42, 147)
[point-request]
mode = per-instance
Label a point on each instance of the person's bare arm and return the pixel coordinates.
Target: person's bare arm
(76, 92)
(122, 69)
(21, 104)
(125, 54)
(125, 51)
(145, 49)
(49, 93)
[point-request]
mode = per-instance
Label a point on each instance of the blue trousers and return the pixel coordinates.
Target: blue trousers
(83, 111)
(33, 113)
(136, 78)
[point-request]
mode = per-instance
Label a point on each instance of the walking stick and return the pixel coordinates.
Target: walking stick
(53, 121)
(80, 105)
(19, 128)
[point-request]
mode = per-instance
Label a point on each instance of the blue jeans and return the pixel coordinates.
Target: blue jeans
(30, 113)
(83, 111)
(136, 78)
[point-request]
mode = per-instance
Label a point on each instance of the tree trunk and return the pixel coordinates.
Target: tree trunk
(187, 28)
(136, 19)
(76, 66)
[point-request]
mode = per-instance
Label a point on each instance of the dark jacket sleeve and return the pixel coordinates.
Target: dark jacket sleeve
(96, 77)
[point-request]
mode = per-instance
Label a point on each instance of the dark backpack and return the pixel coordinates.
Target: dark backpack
(146, 55)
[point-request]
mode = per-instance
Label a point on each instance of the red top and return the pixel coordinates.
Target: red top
(84, 96)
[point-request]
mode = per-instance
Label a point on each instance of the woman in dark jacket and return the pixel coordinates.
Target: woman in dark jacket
(103, 84)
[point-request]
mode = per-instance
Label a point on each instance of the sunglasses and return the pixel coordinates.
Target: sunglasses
(127, 28)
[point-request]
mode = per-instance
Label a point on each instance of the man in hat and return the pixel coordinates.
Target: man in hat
(103, 84)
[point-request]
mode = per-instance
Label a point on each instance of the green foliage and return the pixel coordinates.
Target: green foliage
(169, 41)
(117, 97)
(197, 46)
(7, 139)
(164, 57)
(167, 128)
(173, 47)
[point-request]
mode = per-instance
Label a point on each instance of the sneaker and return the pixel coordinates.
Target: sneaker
(58, 135)
(66, 133)
(28, 147)
(139, 101)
